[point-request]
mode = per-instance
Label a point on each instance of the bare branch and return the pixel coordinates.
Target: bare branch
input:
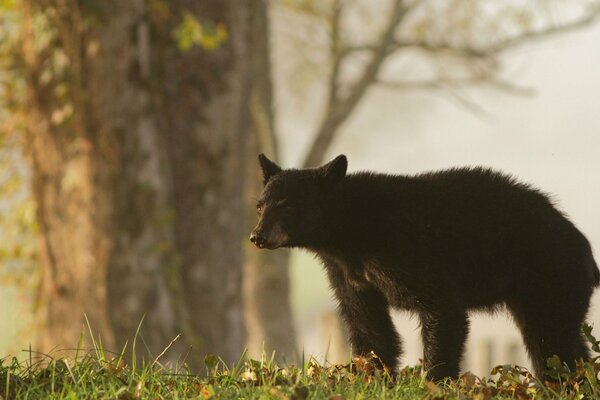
(442, 83)
(465, 102)
(339, 111)
(450, 88)
(591, 16)
(509, 87)
(432, 84)
(335, 53)
(445, 87)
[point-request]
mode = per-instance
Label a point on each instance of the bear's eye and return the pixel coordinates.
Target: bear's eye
(284, 204)
(259, 210)
(288, 209)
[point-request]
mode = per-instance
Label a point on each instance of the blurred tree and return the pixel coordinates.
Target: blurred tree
(137, 129)
(18, 250)
(269, 322)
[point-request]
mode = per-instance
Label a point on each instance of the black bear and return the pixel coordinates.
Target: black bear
(439, 244)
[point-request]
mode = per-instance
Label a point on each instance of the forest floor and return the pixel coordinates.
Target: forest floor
(94, 375)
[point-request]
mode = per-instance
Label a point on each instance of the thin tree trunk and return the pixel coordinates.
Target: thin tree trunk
(204, 98)
(131, 132)
(269, 319)
(138, 174)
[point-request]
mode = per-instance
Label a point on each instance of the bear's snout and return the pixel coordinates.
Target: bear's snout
(258, 239)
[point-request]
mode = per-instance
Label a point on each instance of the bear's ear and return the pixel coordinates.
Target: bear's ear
(269, 168)
(335, 170)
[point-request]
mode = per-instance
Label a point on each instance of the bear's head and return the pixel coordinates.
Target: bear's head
(292, 204)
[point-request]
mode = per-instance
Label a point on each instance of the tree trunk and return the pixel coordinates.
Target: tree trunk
(137, 152)
(206, 103)
(269, 320)
(73, 205)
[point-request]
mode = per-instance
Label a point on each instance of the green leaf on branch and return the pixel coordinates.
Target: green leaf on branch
(192, 32)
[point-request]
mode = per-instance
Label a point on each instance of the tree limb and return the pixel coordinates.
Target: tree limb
(445, 82)
(589, 17)
(489, 51)
(447, 87)
(335, 53)
(341, 108)
(450, 87)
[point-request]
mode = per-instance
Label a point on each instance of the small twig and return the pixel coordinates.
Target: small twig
(410, 85)
(510, 87)
(465, 102)
(441, 83)
(447, 87)
(165, 350)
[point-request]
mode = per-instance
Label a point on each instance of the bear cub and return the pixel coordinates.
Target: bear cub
(438, 244)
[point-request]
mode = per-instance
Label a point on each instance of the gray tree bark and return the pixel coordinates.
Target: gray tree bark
(205, 96)
(138, 153)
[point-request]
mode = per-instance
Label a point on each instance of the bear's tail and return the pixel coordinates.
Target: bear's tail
(595, 271)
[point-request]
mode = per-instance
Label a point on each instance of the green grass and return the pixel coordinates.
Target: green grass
(96, 375)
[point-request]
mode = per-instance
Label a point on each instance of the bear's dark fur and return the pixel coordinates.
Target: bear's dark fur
(439, 244)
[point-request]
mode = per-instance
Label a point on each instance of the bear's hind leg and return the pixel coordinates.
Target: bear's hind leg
(547, 332)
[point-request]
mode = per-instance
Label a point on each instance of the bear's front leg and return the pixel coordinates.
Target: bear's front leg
(444, 333)
(366, 313)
